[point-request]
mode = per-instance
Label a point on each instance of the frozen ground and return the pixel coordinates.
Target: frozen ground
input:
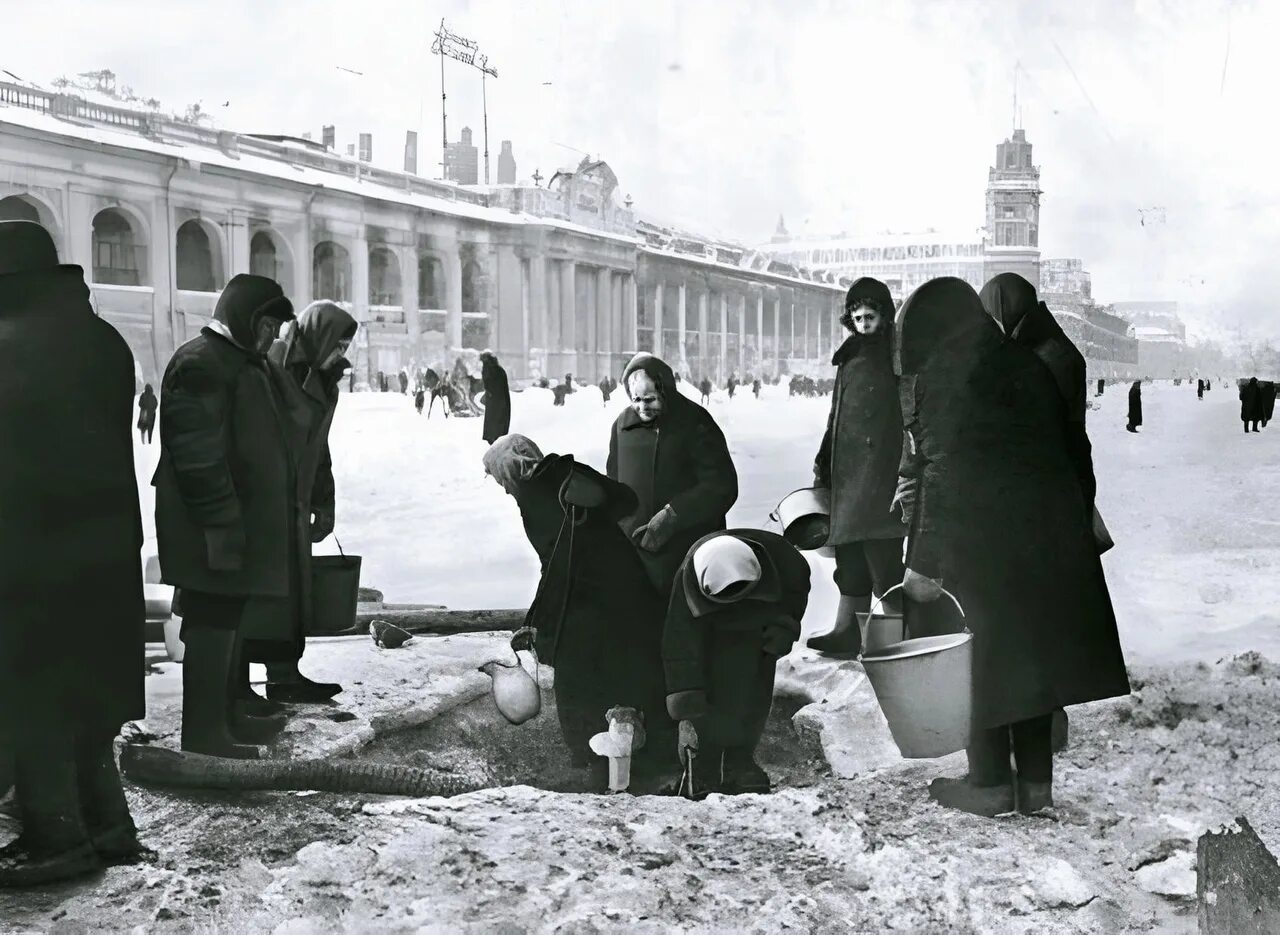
(1194, 581)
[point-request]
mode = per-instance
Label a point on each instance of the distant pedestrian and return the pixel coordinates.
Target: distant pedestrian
(419, 400)
(705, 389)
(1102, 385)
(558, 393)
(1135, 406)
(607, 385)
(568, 383)
(732, 386)
(1268, 401)
(147, 406)
(1200, 389)
(497, 398)
(404, 382)
(755, 387)
(1251, 409)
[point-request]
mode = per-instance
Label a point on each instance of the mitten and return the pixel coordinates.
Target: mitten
(919, 588)
(656, 533)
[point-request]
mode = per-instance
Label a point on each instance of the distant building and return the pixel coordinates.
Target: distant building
(1159, 315)
(1105, 339)
(462, 161)
(1012, 243)
(506, 165)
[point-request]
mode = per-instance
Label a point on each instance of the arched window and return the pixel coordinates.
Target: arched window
(17, 208)
(384, 277)
(431, 288)
(118, 259)
(262, 256)
(197, 271)
(331, 272)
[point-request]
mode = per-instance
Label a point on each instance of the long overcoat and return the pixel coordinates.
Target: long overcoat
(1251, 404)
(497, 401)
(71, 625)
(1001, 511)
(1135, 404)
(859, 455)
(681, 460)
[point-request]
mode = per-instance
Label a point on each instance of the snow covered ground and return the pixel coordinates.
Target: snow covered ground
(1194, 575)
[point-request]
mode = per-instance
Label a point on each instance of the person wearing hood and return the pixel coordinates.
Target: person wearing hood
(71, 631)
(308, 363)
(670, 451)
(1251, 404)
(858, 462)
(1000, 521)
(147, 406)
(596, 619)
(1135, 407)
(497, 398)
(225, 502)
(735, 610)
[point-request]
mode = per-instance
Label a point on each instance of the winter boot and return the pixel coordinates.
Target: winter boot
(845, 639)
(246, 700)
(961, 794)
(285, 683)
(206, 690)
(1033, 796)
(742, 774)
(103, 805)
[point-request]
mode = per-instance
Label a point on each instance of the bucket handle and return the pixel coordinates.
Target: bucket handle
(878, 604)
(339, 541)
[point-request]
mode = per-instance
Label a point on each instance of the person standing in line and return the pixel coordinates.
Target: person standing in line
(1251, 404)
(224, 501)
(497, 398)
(71, 631)
(1135, 407)
(147, 406)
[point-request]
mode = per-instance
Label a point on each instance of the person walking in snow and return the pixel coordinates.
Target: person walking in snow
(1251, 409)
(705, 389)
(1135, 407)
(735, 610)
(404, 382)
(147, 406)
(670, 451)
(419, 400)
(732, 385)
(755, 387)
(497, 398)
(1200, 389)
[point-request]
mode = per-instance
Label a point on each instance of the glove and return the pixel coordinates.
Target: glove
(687, 705)
(656, 533)
(919, 588)
(322, 525)
(224, 546)
(905, 496)
(524, 638)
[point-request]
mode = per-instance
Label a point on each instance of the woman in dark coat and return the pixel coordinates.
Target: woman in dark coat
(1268, 401)
(71, 630)
(147, 406)
(596, 619)
(670, 451)
(1000, 517)
(1251, 404)
(497, 398)
(310, 361)
(1135, 406)
(858, 462)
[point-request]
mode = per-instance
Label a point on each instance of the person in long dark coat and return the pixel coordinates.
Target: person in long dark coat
(1268, 401)
(1200, 388)
(734, 611)
(670, 451)
(1135, 407)
(1251, 404)
(225, 499)
(497, 398)
(1000, 518)
(858, 462)
(71, 629)
(147, 406)
(310, 361)
(596, 618)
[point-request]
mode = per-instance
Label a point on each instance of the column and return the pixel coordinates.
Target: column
(409, 299)
(569, 313)
(631, 302)
(238, 235)
(777, 334)
(554, 330)
(304, 260)
(360, 306)
(451, 259)
(538, 302)
(808, 336)
(526, 321)
(704, 351)
(657, 318)
(724, 339)
(602, 324)
(742, 335)
(681, 362)
(760, 356)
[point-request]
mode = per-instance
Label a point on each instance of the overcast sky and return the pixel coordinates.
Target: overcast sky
(723, 114)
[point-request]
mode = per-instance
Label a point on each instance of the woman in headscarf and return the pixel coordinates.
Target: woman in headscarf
(497, 398)
(308, 364)
(596, 619)
(147, 406)
(1000, 520)
(1135, 407)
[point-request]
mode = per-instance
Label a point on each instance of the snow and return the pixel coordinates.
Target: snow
(1193, 576)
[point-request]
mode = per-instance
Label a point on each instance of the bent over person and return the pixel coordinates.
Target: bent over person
(71, 626)
(224, 497)
(670, 451)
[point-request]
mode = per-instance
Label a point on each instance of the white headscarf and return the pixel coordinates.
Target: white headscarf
(723, 562)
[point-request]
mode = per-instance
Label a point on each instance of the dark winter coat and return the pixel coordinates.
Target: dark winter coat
(1000, 511)
(598, 618)
(1012, 302)
(681, 460)
(224, 460)
(1268, 400)
(1251, 401)
(71, 629)
(497, 401)
(859, 455)
(773, 609)
(1135, 404)
(147, 406)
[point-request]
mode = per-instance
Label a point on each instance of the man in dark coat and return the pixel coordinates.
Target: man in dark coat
(1000, 518)
(404, 382)
(1200, 388)
(596, 618)
(732, 385)
(147, 406)
(1251, 404)
(497, 398)
(310, 361)
(71, 630)
(1102, 385)
(858, 462)
(225, 496)
(1135, 407)
(735, 610)
(670, 451)
(1268, 401)
(607, 386)
(705, 389)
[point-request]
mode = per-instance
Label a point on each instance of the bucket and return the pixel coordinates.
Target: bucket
(805, 518)
(335, 587)
(924, 687)
(881, 630)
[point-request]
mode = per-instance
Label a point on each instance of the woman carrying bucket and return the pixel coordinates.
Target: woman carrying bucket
(1000, 516)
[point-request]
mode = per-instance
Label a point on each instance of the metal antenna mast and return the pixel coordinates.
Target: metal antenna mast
(465, 51)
